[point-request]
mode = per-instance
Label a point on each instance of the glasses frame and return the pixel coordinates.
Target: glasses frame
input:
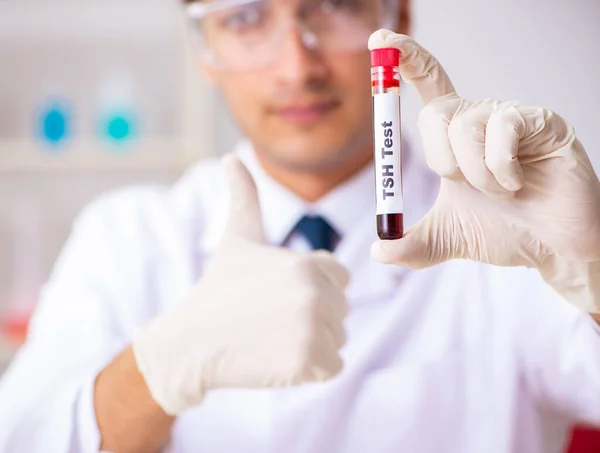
(199, 9)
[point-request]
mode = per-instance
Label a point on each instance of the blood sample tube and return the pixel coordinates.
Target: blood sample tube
(385, 83)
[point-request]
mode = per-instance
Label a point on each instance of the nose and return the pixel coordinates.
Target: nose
(300, 60)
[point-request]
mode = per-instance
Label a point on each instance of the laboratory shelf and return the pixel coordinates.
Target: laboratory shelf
(156, 155)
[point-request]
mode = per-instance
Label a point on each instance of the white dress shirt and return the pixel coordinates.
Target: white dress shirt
(460, 358)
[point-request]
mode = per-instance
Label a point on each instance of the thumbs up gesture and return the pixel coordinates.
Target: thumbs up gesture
(260, 316)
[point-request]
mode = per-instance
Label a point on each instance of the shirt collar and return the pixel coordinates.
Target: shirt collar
(350, 208)
(343, 207)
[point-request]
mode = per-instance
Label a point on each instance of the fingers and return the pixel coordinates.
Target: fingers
(417, 66)
(480, 142)
(244, 219)
(332, 334)
(335, 331)
(542, 133)
(333, 305)
(485, 148)
(505, 128)
(426, 244)
(326, 363)
(334, 309)
(330, 311)
(434, 121)
(467, 134)
(335, 272)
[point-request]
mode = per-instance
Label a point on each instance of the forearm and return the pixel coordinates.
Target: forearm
(129, 420)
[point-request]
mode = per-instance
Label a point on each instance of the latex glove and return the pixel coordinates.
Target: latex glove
(518, 188)
(261, 316)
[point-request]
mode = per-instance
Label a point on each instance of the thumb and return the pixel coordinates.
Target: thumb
(417, 66)
(426, 244)
(244, 219)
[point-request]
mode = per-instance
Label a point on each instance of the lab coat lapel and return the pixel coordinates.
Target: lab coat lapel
(371, 281)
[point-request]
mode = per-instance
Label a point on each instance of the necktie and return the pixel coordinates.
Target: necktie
(318, 232)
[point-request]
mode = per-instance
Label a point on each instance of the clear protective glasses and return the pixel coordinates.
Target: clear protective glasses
(249, 34)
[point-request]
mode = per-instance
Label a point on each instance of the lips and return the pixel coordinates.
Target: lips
(306, 114)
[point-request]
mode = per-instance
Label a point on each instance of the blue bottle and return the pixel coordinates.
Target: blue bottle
(54, 124)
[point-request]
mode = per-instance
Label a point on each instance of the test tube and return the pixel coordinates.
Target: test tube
(385, 83)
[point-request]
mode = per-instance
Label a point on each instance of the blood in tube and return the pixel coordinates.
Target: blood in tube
(385, 83)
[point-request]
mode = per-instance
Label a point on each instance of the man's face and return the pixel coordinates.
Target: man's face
(309, 109)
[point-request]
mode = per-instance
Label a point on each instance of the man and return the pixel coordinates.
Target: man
(198, 318)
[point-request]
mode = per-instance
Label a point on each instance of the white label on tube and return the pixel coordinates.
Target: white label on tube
(388, 178)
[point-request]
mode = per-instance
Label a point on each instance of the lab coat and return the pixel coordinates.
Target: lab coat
(460, 358)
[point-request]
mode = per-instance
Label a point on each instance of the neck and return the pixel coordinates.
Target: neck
(313, 185)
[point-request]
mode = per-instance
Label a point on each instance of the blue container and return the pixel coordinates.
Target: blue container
(54, 124)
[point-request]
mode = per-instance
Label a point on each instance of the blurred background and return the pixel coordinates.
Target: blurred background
(96, 95)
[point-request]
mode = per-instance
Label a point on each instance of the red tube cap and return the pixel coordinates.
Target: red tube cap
(385, 57)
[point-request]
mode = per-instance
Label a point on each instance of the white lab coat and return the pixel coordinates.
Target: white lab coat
(460, 358)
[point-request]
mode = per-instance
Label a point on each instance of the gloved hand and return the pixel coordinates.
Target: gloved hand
(517, 186)
(261, 316)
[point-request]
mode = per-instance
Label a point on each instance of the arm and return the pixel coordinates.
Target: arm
(80, 325)
(128, 418)
(78, 386)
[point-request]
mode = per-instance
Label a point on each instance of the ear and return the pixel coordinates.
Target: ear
(405, 19)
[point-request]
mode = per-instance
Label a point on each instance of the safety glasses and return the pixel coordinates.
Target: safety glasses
(249, 34)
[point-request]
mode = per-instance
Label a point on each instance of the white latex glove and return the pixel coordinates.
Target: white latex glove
(261, 316)
(518, 188)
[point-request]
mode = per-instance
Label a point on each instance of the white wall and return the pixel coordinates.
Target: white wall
(542, 52)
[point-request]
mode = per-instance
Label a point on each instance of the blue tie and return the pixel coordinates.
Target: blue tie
(317, 231)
